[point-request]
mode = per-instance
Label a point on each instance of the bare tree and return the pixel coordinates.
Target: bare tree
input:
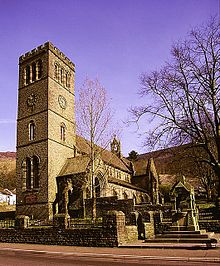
(94, 121)
(189, 161)
(208, 179)
(184, 96)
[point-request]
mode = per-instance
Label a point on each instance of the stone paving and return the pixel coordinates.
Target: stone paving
(207, 254)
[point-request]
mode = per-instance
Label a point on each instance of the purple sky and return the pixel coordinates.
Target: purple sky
(112, 40)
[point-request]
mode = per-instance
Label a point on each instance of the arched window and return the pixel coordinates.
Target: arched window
(31, 130)
(135, 199)
(28, 74)
(36, 164)
(56, 72)
(66, 80)
(125, 195)
(110, 171)
(115, 193)
(63, 132)
(24, 76)
(34, 73)
(97, 187)
(28, 173)
(142, 199)
(62, 75)
(39, 69)
(24, 174)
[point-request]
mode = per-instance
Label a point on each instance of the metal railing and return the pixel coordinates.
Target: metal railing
(7, 224)
(85, 223)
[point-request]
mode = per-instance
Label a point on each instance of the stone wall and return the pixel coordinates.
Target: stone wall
(105, 204)
(111, 233)
(209, 219)
(100, 237)
(7, 215)
(125, 233)
(131, 233)
(210, 225)
(149, 227)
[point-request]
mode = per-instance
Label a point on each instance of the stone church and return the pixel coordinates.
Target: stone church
(53, 164)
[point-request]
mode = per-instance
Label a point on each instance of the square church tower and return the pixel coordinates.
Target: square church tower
(45, 127)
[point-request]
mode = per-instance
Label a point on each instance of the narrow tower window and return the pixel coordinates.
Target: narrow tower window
(33, 71)
(115, 193)
(39, 69)
(66, 80)
(24, 76)
(24, 174)
(35, 172)
(63, 132)
(56, 72)
(61, 75)
(28, 74)
(135, 199)
(125, 195)
(31, 130)
(28, 173)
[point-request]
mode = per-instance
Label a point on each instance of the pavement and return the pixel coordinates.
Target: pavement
(130, 251)
(192, 246)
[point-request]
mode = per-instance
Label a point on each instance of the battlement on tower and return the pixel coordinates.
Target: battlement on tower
(44, 47)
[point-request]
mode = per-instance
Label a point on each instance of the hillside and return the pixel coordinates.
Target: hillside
(169, 165)
(8, 170)
(8, 155)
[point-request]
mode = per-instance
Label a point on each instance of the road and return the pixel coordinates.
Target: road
(40, 255)
(30, 259)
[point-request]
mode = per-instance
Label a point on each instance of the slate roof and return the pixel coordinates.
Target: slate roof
(140, 167)
(125, 184)
(144, 166)
(6, 191)
(79, 164)
(167, 179)
(107, 156)
(182, 183)
(161, 158)
(75, 165)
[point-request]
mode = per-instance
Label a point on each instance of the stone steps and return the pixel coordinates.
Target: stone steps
(183, 232)
(187, 237)
(179, 240)
(181, 228)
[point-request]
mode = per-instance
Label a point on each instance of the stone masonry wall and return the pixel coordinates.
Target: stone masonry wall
(100, 237)
(112, 233)
(106, 204)
(210, 225)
